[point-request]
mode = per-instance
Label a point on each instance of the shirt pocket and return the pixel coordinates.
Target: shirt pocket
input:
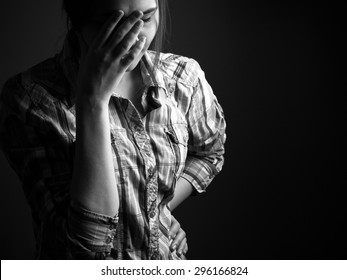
(177, 137)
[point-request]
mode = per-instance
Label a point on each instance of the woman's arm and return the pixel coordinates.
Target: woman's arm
(93, 182)
(179, 241)
(207, 134)
(102, 68)
(183, 190)
(41, 158)
(206, 127)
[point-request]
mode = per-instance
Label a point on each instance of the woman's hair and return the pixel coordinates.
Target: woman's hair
(79, 13)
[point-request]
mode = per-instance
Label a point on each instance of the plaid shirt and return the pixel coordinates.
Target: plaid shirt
(182, 135)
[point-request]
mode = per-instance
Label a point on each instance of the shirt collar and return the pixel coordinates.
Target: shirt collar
(69, 61)
(151, 78)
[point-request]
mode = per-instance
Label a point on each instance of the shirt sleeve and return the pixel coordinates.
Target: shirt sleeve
(206, 125)
(43, 163)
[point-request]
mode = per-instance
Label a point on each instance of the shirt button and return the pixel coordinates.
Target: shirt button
(152, 214)
(109, 239)
(150, 171)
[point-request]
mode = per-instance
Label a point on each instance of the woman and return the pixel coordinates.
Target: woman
(108, 137)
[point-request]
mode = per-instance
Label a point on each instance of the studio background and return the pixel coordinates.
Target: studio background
(270, 66)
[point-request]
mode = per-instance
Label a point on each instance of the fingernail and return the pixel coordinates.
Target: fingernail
(170, 237)
(174, 247)
(119, 13)
(143, 39)
(138, 13)
(179, 253)
(139, 23)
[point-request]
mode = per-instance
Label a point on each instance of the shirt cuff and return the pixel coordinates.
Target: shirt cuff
(199, 173)
(90, 231)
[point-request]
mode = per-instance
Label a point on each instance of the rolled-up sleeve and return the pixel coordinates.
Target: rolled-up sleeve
(43, 161)
(90, 234)
(207, 135)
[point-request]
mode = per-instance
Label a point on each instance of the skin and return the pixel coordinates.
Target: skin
(131, 80)
(113, 43)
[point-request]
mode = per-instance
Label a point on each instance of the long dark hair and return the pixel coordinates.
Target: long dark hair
(79, 12)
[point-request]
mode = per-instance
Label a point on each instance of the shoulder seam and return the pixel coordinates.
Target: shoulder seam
(182, 63)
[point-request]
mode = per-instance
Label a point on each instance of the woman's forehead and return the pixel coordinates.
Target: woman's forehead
(127, 6)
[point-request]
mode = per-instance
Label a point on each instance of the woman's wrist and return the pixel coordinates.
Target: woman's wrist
(90, 105)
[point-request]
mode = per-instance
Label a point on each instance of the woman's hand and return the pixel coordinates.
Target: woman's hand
(178, 238)
(108, 57)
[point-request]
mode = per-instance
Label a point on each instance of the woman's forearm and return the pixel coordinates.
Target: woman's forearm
(93, 183)
(182, 191)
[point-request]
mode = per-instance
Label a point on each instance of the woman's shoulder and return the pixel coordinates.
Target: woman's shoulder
(180, 68)
(36, 81)
(43, 71)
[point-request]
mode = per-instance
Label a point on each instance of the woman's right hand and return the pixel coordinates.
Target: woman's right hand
(108, 57)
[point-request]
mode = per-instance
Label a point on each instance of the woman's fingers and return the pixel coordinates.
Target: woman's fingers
(134, 52)
(180, 236)
(181, 247)
(107, 29)
(185, 250)
(130, 25)
(129, 40)
(174, 228)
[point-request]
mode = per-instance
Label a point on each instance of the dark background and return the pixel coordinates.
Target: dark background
(271, 66)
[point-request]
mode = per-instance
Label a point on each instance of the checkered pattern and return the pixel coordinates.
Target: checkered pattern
(181, 135)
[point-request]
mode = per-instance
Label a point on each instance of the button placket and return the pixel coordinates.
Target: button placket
(152, 214)
(151, 196)
(143, 142)
(150, 171)
(109, 239)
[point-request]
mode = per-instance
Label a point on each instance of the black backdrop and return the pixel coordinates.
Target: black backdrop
(271, 67)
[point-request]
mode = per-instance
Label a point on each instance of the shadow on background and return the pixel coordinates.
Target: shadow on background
(271, 68)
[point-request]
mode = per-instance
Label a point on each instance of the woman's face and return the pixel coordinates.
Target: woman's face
(107, 7)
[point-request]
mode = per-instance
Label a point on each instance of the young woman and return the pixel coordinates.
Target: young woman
(110, 135)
